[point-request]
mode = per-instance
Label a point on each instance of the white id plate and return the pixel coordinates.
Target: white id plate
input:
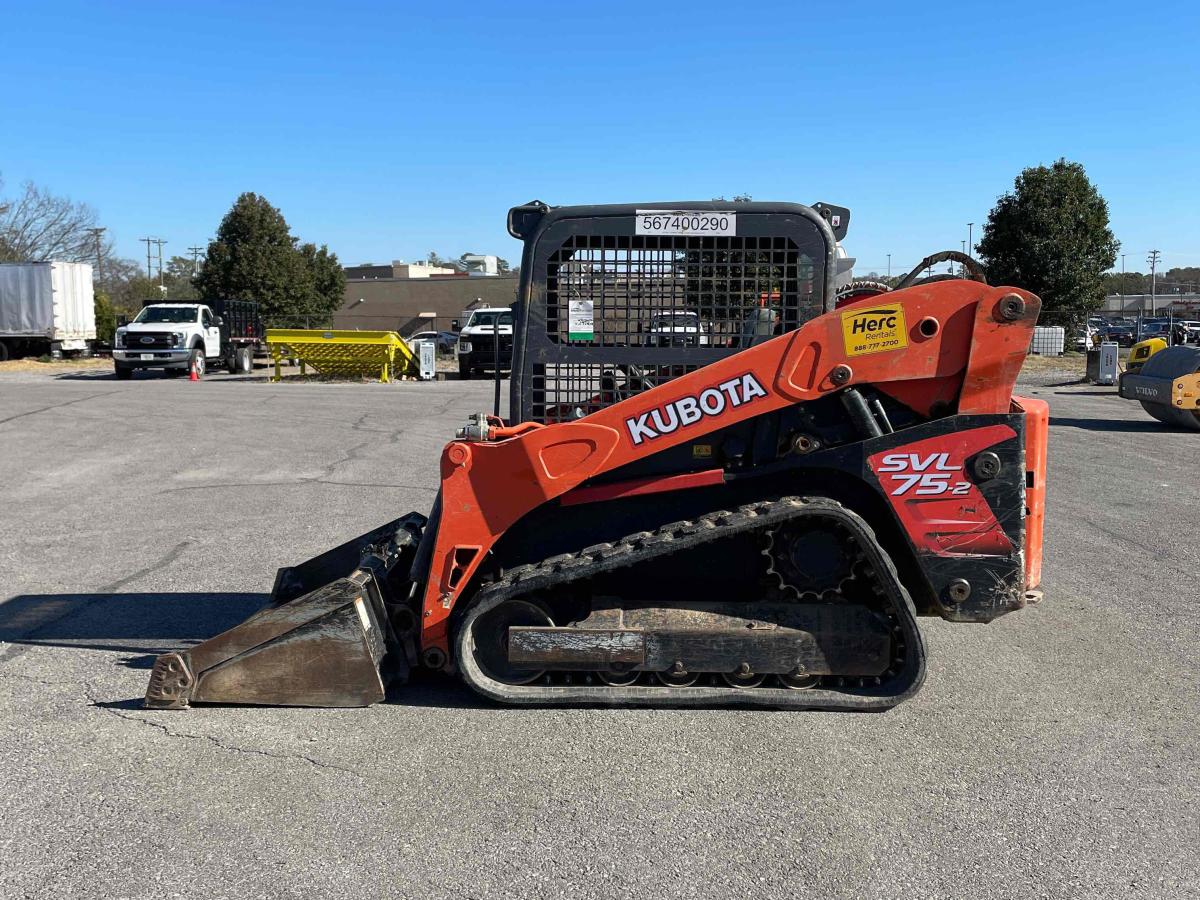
(685, 221)
(147, 356)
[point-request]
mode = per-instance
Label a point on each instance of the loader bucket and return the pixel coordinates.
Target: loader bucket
(336, 632)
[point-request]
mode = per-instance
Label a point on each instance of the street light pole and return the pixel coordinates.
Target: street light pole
(970, 243)
(889, 265)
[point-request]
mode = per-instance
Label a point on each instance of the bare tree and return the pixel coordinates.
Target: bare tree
(38, 225)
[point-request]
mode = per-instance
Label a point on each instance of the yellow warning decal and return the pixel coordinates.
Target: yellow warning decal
(874, 330)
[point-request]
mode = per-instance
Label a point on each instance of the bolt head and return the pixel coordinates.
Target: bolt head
(1010, 308)
(987, 466)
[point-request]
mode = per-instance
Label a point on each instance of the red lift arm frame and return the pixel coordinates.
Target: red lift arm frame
(966, 343)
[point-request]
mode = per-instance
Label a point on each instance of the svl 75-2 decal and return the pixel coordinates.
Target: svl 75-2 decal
(923, 474)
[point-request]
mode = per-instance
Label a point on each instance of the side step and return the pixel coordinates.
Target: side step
(335, 634)
(839, 639)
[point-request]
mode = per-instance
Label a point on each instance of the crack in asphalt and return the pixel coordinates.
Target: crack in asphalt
(214, 741)
(90, 694)
(42, 409)
(42, 681)
(325, 477)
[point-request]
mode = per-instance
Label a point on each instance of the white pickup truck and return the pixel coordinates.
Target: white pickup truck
(677, 328)
(179, 337)
(476, 348)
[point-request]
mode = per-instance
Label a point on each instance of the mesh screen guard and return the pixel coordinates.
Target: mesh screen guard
(609, 313)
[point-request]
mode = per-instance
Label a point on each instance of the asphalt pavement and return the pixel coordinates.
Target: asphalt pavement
(1052, 753)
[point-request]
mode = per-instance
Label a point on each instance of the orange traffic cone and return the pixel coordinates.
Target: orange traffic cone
(192, 376)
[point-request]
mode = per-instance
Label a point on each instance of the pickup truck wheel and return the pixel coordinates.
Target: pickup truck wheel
(231, 362)
(3, 351)
(245, 360)
(123, 373)
(464, 371)
(196, 362)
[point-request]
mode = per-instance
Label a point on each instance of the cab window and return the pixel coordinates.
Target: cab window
(206, 317)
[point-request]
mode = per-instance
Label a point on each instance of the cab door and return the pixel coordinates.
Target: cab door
(212, 333)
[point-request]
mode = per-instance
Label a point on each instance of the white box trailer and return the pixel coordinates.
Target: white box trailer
(46, 307)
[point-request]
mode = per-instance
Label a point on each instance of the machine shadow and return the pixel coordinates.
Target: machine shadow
(1112, 425)
(144, 625)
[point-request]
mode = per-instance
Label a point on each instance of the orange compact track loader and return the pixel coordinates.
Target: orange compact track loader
(720, 482)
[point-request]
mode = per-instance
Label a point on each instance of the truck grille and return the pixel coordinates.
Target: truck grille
(147, 340)
(486, 343)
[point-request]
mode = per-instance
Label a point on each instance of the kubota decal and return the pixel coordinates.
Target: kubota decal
(874, 330)
(712, 401)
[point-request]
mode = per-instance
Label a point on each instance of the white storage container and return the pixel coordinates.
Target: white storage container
(1048, 340)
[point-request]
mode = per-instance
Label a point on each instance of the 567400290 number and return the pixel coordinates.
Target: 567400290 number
(682, 221)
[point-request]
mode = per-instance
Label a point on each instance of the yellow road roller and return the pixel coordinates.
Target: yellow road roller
(1167, 384)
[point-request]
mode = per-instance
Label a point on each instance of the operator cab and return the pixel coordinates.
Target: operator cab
(614, 300)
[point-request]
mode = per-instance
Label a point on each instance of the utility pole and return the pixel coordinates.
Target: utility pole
(147, 241)
(161, 286)
(1154, 258)
(95, 233)
(195, 251)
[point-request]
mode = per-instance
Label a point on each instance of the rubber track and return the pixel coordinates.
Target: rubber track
(674, 538)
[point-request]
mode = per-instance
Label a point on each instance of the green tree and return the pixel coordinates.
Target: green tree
(255, 257)
(324, 280)
(1050, 235)
(177, 279)
(106, 317)
(1128, 283)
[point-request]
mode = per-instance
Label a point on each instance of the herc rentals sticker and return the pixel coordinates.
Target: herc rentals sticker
(874, 330)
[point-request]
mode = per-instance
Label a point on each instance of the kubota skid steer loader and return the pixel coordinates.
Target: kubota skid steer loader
(756, 518)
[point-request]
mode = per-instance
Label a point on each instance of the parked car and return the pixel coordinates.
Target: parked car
(1156, 329)
(445, 340)
(1085, 337)
(1121, 335)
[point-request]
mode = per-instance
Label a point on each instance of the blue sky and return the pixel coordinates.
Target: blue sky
(388, 130)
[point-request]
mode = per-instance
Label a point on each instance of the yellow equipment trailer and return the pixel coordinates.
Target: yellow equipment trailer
(346, 353)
